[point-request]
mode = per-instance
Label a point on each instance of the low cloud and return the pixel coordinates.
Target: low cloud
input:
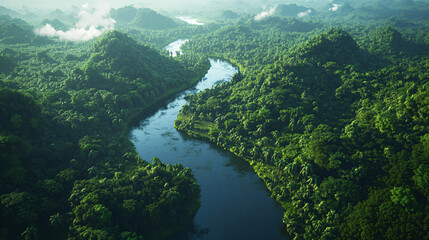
(92, 23)
(265, 14)
(334, 7)
(305, 13)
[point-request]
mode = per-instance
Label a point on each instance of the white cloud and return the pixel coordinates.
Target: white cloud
(305, 13)
(265, 14)
(334, 7)
(92, 23)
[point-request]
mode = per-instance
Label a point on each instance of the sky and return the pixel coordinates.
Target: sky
(155, 4)
(181, 5)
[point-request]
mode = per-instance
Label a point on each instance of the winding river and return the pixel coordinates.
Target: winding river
(235, 203)
(190, 20)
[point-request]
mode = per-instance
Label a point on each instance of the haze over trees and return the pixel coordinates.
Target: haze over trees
(330, 108)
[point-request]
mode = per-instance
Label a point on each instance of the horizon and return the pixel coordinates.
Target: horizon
(187, 5)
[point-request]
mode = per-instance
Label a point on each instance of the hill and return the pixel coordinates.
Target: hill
(291, 10)
(55, 23)
(229, 14)
(14, 30)
(68, 169)
(117, 59)
(147, 18)
(142, 18)
(124, 15)
(390, 43)
(334, 45)
(9, 12)
(68, 19)
(339, 142)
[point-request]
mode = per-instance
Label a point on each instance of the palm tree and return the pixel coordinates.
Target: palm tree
(306, 169)
(30, 233)
(292, 169)
(56, 220)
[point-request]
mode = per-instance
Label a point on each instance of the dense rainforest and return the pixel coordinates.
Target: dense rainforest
(329, 108)
(332, 113)
(68, 169)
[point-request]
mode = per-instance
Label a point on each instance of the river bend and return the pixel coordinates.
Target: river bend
(235, 203)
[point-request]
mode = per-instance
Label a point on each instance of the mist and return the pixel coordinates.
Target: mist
(92, 23)
(172, 6)
(265, 14)
(88, 19)
(167, 5)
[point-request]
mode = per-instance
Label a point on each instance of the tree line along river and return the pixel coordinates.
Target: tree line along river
(235, 203)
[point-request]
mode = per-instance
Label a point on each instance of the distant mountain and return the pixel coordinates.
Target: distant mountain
(57, 24)
(338, 8)
(282, 24)
(291, 10)
(384, 10)
(229, 14)
(14, 30)
(9, 12)
(124, 15)
(63, 17)
(142, 18)
(147, 18)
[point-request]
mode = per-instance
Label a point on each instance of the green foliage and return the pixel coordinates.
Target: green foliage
(285, 24)
(335, 123)
(14, 30)
(142, 18)
(331, 113)
(421, 179)
(65, 109)
(152, 201)
(19, 112)
(403, 197)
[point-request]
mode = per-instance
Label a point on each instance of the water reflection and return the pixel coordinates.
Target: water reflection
(234, 201)
(192, 232)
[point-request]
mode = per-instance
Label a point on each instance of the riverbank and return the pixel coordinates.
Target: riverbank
(138, 113)
(234, 201)
(202, 130)
(135, 116)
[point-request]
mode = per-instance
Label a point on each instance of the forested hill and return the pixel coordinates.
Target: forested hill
(116, 58)
(335, 125)
(335, 45)
(14, 30)
(67, 167)
(142, 18)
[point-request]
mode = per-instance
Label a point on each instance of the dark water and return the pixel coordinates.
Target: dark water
(235, 203)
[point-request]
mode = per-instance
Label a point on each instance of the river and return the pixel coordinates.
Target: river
(235, 203)
(174, 47)
(190, 20)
